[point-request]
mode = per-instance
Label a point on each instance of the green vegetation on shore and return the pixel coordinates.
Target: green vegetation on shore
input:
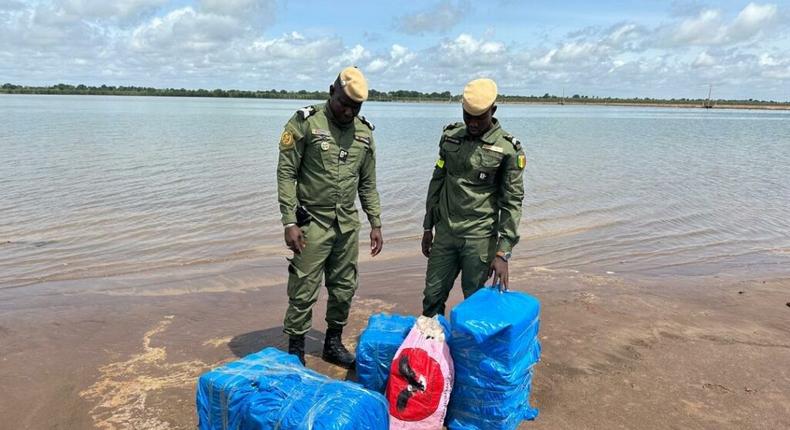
(399, 96)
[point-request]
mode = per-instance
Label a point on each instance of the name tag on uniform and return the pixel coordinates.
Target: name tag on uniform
(493, 148)
(321, 132)
(452, 140)
(343, 155)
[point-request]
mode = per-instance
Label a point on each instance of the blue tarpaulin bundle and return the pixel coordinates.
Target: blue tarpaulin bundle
(378, 344)
(272, 390)
(494, 346)
(223, 392)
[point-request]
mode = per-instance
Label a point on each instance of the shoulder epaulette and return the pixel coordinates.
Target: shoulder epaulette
(307, 112)
(515, 142)
(451, 126)
(367, 123)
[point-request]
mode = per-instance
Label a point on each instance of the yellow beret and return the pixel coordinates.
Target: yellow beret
(479, 96)
(354, 84)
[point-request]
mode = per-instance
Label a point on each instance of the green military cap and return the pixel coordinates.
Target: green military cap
(354, 84)
(479, 96)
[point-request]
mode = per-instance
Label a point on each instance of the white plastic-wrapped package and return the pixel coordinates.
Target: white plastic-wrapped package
(421, 378)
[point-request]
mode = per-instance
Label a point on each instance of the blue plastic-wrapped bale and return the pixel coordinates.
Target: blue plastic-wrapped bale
(272, 390)
(495, 346)
(377, 346)
(301, 399)
(222, 393)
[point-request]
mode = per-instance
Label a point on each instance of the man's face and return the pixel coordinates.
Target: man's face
(343, 108)
(477, 125)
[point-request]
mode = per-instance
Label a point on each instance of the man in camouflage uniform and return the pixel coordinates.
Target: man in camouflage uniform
(474, 201)
(327, 157)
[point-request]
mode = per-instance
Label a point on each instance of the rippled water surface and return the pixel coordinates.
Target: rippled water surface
(100, 186)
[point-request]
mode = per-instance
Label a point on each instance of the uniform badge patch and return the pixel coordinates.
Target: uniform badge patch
(343, 155)
(286, 139)
(324, 146)
(522, 161)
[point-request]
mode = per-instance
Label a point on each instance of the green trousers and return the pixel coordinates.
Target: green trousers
(330, 254)
(450, 256)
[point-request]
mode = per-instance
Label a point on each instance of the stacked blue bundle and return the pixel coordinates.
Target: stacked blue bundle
(272, 390)
(379, 343)
(307, 400)
(222, 393)
(377, 347)
(494, 346)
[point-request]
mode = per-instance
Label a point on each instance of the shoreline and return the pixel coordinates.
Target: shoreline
(240, 274)
(616, 352)
(778, 106)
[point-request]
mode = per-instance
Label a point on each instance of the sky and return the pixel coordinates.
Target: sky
(637, 48)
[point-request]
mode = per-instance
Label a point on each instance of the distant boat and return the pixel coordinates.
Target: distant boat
(708, 104)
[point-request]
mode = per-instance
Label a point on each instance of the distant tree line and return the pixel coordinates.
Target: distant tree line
(398, 95)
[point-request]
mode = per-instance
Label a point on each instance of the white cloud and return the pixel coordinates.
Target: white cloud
(768, 60)
(351, 57)
(710, 28)
(573, 53)
(702, 29)
(704, 60)
(293, 46)
(752, 19)
(441, 17)
(466, 50)
(398, 57)
(213, 43)
(185, 29)
(44, 26)
(109, 9)
(9, 5)
(576, 51)
(376, 65)
(775, 66)
(255, 12)
(623, 34)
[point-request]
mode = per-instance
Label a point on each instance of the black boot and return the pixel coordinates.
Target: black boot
(296, 347)
(334, 351)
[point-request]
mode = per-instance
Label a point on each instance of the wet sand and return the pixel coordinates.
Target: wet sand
(125, 353)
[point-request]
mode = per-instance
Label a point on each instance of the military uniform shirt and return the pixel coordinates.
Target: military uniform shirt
(477, 185)
(323, 165)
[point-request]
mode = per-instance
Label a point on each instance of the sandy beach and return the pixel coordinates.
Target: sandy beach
(617, 353)
(149, 148)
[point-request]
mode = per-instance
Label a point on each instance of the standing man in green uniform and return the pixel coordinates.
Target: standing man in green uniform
(474, 201)
(327, 157)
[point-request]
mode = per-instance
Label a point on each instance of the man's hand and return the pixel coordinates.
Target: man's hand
(499, 270)
(427, 243)
(376, 241)
(294, 239)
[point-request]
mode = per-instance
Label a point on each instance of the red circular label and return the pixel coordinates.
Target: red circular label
(415, 386)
